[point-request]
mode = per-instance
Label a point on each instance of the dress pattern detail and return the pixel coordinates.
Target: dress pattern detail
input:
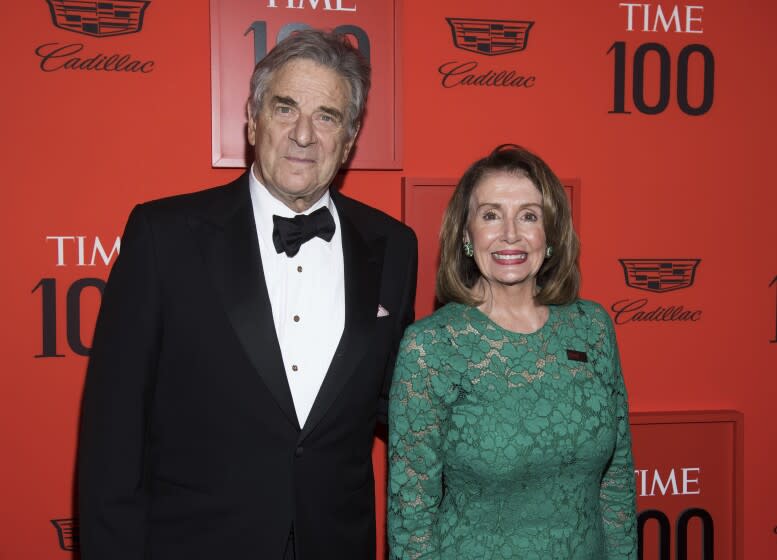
(509, 445)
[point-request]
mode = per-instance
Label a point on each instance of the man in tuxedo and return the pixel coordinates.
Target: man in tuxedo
(246, 341)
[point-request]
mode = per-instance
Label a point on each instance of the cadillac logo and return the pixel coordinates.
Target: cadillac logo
(98, 18)
(659, 275)
(67, 533)
(490, 36)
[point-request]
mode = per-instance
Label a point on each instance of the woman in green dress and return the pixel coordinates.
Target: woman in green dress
(508, 423)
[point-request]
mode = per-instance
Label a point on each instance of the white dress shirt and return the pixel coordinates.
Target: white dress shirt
(307, 294)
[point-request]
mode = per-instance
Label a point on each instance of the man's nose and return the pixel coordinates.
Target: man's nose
(302, 132)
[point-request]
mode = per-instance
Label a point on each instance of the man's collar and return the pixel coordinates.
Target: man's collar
(266, 205)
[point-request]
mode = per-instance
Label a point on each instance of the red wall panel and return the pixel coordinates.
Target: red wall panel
(81, 147)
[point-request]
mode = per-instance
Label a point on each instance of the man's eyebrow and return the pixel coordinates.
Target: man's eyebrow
(284, 100)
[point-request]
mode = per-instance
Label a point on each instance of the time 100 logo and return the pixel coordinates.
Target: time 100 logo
(660, 18)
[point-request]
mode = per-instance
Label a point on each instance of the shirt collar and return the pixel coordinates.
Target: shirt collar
(266, 205)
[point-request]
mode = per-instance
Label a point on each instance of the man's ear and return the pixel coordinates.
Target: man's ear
(349, 144)
(251, 127)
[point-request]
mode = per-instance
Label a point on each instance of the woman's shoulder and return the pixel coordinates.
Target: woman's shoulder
(449, 316)
(584, 309)
(586, 319)
(588, 322)
(429, 353)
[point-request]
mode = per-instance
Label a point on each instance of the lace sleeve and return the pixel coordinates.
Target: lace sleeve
(618, 492)
(415, 467)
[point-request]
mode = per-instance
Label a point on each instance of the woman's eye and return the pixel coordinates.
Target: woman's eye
(490, 215)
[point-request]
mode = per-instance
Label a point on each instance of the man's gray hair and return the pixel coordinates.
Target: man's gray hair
(331, 50)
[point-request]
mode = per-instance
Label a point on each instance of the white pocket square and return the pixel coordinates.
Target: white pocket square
(382, 311)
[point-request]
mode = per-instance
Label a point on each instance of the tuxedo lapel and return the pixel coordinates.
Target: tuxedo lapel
(362, 263)
(230, 249)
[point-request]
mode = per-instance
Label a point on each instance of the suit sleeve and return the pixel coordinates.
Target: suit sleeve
(406, 317)
(119, 381)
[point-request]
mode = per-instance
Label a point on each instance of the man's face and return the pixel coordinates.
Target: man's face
(299, 133)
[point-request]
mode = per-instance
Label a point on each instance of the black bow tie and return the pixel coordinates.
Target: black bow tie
(289, 234)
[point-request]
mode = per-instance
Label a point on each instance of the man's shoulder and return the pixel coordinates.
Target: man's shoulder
(208, 200)
(369, 219)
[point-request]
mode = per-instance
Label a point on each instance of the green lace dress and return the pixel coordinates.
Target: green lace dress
(509, 445)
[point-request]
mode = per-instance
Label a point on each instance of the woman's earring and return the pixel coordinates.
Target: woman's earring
(469, 250)
(548, 252)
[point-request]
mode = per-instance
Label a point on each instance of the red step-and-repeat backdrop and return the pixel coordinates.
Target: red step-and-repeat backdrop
(659, 117)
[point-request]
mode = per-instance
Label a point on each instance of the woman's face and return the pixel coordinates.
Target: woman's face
(506, 229)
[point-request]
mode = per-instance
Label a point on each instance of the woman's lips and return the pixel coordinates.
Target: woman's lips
(509, 257)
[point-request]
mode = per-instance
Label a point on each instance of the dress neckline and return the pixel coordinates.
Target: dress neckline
(476, 313)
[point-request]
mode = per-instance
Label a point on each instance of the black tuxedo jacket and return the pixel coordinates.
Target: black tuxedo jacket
(190, 446)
